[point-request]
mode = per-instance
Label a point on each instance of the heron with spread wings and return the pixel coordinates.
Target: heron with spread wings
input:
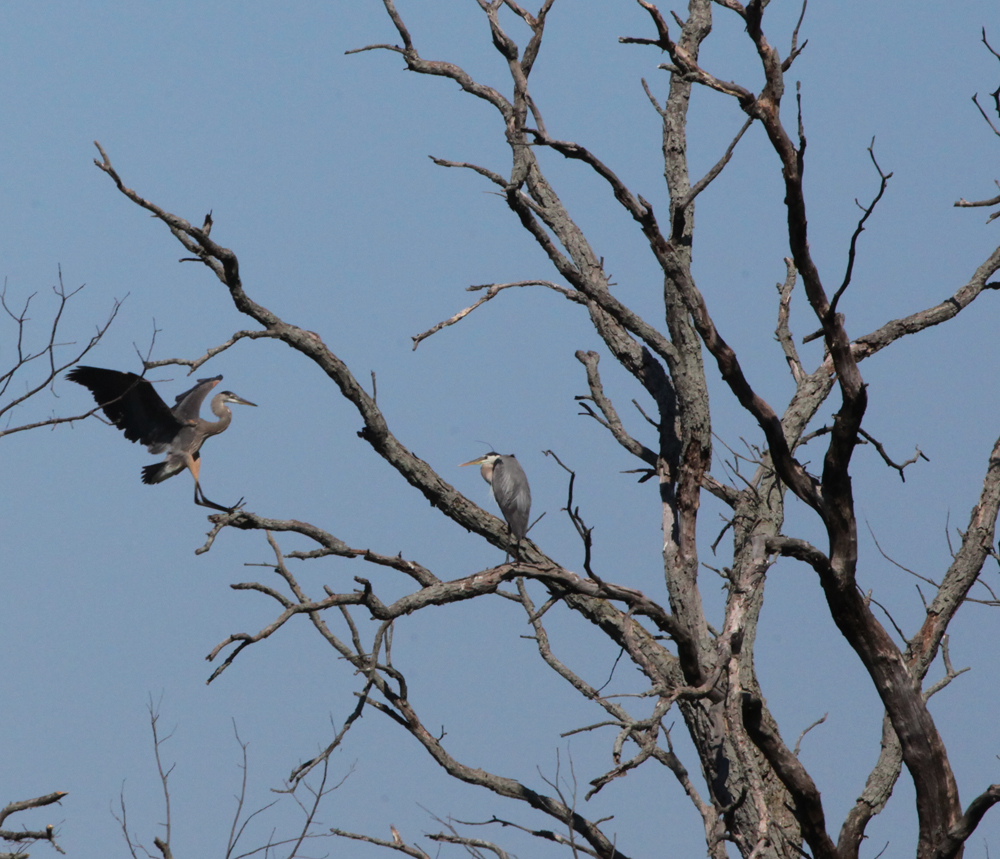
(132, 405)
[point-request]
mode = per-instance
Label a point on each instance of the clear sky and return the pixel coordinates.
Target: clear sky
(315, 167)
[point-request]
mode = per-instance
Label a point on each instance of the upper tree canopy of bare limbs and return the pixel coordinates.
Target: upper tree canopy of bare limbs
(754, 792)
(30, 363)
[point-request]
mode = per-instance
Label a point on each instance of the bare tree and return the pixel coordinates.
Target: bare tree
(30, 363)
(754, 792)
(288, 846)
(27, 837)
(33, 363)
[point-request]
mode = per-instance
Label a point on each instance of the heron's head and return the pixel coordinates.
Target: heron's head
(486, 463)
(485, 459)
(230, 397)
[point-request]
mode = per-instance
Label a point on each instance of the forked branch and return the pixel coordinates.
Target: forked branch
(50, 355)
(867, 211)
(20, 836)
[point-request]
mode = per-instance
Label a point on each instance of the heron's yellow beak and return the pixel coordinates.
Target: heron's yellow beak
(472, 462)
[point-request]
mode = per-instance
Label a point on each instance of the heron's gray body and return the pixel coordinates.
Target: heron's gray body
(509, 487)
(191, 431)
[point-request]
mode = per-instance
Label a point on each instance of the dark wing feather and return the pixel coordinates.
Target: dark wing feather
(131, 404)
(510, 488)
(188, 405)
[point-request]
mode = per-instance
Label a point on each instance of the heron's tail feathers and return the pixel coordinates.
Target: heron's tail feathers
(157, 472)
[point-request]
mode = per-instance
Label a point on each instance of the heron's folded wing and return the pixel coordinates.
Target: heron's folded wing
(510, 488)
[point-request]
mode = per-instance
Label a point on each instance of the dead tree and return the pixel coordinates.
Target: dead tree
(21, 838)
(754, 792)
(29, 364)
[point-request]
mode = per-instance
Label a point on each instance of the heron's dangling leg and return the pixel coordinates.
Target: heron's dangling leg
(194, 466)
(204, 502)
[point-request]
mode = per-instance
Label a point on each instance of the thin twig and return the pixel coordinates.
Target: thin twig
(798, 742)
(900, 467)
(852, 252)
(492, 290)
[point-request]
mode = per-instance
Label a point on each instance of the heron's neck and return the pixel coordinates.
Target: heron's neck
(224, 415)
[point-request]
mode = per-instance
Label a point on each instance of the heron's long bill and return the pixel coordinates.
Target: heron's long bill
(479, 461)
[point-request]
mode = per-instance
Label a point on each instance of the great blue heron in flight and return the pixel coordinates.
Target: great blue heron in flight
(509, 486)
(133, 406)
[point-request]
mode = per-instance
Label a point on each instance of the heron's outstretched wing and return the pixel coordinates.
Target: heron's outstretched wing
(188, 404)
(131, 404)
(510, 488)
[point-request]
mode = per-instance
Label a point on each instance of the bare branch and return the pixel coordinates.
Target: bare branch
(611, 420)
(954, 304)
(975, 101)
(993, 201)
(883, 183)
(949, 671)
(544, 834)
(798, 742)
(573, 512)
(416, 63)
(29, 835)
(808, 808)
(154, 717)
(395, 844)
(707, 179)
(195, 363)
(782, 332)
(474, 842)
(951, 844)
(495, 178)
(492, 290)
(888, 461)
(963, 571)
(403, 712)
(47, 355)
(795, 50)
(303, 769)
(895, 563)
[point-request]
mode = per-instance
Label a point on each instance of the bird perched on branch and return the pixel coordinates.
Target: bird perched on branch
(509, 486)
(132, 405)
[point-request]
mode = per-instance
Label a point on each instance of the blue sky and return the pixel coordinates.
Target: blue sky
(315, 167)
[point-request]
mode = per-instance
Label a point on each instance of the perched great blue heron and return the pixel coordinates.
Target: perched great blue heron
(133, 406)
(509, 486)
